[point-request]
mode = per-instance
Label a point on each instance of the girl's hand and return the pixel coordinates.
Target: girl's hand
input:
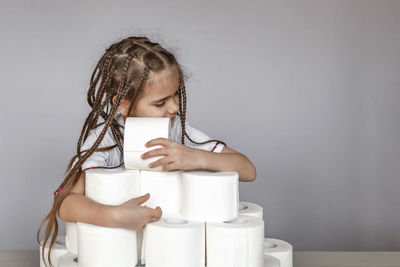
(176, 155)
(130, 215)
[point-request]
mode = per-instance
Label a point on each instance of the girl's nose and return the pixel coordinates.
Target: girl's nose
(173, 107)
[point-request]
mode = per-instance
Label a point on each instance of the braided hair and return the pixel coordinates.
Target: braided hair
(122, 72)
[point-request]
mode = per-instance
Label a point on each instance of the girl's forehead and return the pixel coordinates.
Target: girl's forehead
(161, 84)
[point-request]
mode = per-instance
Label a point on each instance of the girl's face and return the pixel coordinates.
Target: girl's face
(159, 97)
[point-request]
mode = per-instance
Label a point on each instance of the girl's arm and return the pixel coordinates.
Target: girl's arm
(181, 157)
(76, 207)
(227, 160)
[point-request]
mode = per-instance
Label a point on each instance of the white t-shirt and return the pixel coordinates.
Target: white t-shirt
(113, 157)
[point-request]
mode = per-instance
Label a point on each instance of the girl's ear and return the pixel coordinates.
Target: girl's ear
(123, 106)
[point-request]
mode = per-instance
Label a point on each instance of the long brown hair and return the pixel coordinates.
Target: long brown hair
(122, 71)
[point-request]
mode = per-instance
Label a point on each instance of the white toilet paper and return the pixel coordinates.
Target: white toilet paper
(210, 196)
(68, 260)
(165, 190)
(57, 251)
(280, 249)
(250, 209)
(271, 261)
(237, 243)
(138, 131)
(104, 247)
(175, 242)
(133, 161)
(71, 237)
(112, 186)
(139, 243)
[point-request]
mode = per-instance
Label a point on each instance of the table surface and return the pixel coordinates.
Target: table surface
(30, 258)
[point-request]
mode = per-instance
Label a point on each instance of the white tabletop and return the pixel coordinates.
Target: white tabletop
(30, 258)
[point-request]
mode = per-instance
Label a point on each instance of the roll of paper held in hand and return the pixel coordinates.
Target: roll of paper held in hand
(138, 131)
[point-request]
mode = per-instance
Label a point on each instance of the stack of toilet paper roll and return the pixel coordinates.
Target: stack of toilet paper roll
(203, 223)
(103, 246)
(205, 197)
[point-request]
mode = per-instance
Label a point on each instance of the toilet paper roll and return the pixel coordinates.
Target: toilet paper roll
(138, 131)
(104, 247)
(235, 243)
(71, 237)
(139, 243)
(210, 196)
(174, 242)
(164, 189)
(280, 249)
(250, 209)
(112, 186)
(57, 251)
(68, 260)
(133, 161)
(270, 261)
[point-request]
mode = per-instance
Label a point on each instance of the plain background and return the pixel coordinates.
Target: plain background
(308, 90)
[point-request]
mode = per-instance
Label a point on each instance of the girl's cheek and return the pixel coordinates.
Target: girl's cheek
(176, 98)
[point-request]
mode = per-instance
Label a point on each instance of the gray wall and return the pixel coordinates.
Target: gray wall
(308, 90)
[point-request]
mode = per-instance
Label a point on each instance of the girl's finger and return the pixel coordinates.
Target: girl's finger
(156, 214)
(159, 141)
(162, 161)
(155, 152)
(171, 167)
(141, 199)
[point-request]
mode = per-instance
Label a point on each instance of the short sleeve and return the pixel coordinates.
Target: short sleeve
(199, 136)
(98, 158)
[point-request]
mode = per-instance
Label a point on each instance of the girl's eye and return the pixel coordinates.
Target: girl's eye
(177, 92)
(160, 105)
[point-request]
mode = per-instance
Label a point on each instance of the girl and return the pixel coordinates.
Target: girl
(137, 78)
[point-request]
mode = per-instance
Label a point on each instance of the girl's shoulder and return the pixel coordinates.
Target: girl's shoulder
(195, 134)
(108, 139)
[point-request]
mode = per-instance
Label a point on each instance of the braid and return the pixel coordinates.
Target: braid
(103, 66)
(182, 106)
(88, 125)
(183, 119)
(121, 91)
(85, 130)
(117, 136)
(140, 88)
